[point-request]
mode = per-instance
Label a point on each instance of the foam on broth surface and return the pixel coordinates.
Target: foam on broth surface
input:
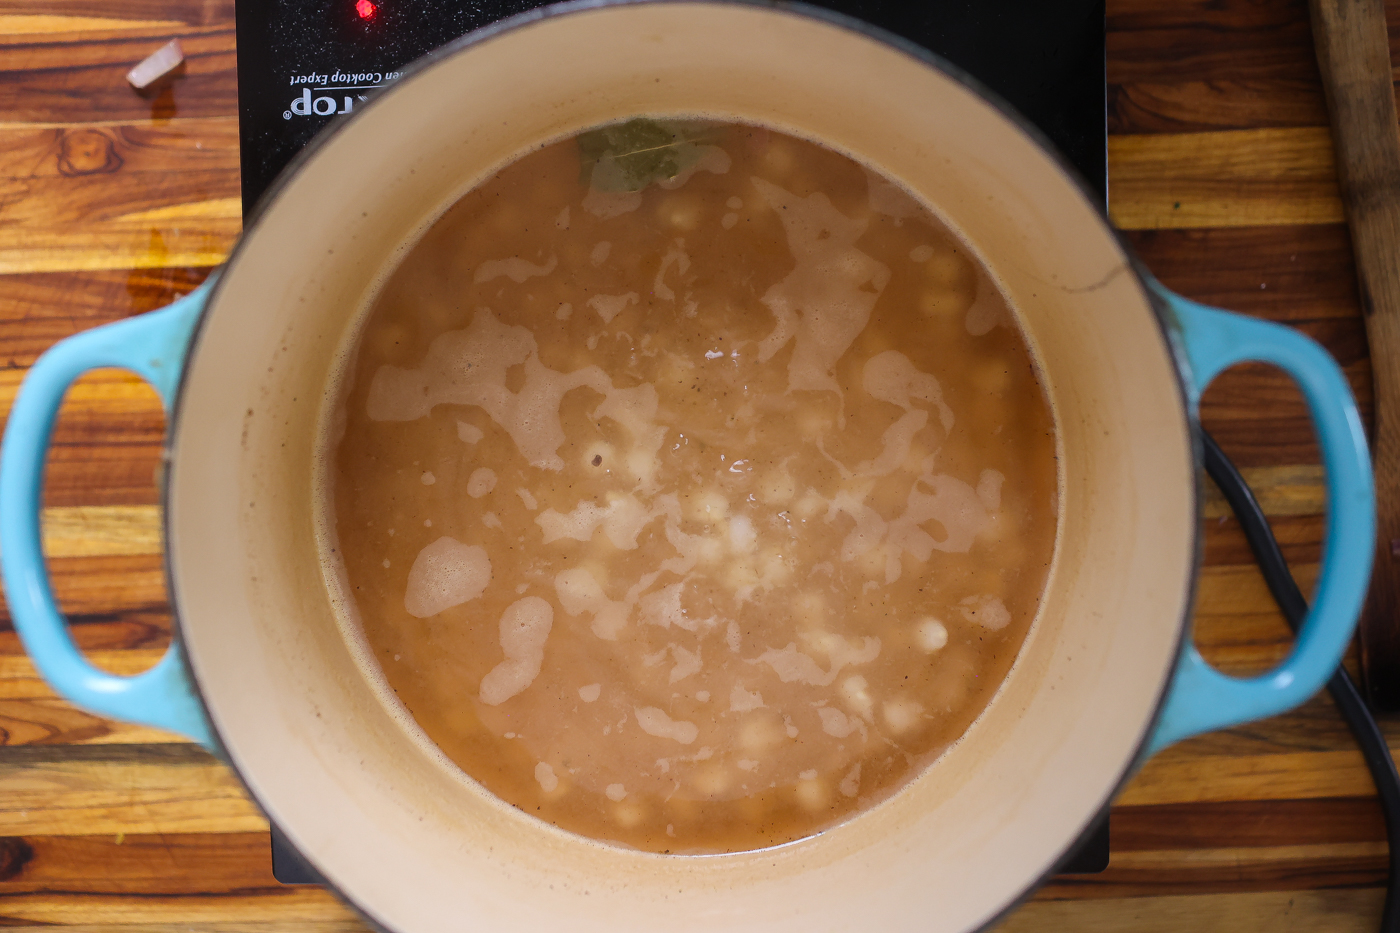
(692, 486)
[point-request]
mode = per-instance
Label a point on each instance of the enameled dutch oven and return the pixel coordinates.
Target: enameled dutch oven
(261, 673)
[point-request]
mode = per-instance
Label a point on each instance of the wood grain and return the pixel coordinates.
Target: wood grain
(39, 309)
(112, 204)
(102, 531)
(1220, 104)
(103, 632)
(52, 721)
(1208, 40)
(151, 196)
(1293, 273)
(1283, 490)
(106, 586)
(100, 789)
(347, 924)
(1231, 178)
(1346, 911)
(90, 83)
(1299, 536)
(106, 447)
(1354, 58)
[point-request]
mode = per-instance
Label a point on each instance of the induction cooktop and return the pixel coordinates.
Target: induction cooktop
(305, 63)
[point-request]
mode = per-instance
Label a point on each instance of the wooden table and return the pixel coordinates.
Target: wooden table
(110, 205)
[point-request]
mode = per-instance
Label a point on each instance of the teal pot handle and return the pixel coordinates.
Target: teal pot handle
(153, 346)
(1202, 698)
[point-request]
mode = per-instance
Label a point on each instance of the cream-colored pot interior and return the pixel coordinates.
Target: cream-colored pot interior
(413, 843)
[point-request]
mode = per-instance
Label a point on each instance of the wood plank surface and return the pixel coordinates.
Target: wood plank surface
(112, 204)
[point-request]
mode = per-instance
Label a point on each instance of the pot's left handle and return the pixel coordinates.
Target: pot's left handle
(153, 345)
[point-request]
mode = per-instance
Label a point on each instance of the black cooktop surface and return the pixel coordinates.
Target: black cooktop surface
(303, 63)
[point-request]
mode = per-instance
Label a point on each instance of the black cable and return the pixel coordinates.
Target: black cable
(1348, 699)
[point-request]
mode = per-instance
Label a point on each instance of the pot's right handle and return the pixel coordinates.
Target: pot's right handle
(1202, 698)
(153, 345)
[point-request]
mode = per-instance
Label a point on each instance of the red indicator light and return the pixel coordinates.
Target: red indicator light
(365, 8)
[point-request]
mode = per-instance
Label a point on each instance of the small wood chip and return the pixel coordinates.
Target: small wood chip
(157, 65)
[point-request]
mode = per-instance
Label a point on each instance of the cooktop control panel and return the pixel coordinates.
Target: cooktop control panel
(304, 63)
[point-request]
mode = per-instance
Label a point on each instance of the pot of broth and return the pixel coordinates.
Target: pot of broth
(683, 466)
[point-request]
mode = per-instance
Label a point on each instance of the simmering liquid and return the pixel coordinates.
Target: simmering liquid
(692, 486)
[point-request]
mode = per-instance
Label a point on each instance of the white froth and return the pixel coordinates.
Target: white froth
(792, 665)
(525, 626)
(711, 159)
(622, 519)
(428, 479)
(663, 608)
(890, 199)
(590, 693)
(609, 306)
(481, 482)
(607, 204)
(468, 433)
(989, 489)
(674, 254)
(954, 505)
(468, 367)
(654, 721)
(546, 776)
(895, 445)
(527, 498)
(987, 611)
(986, 311)
(836, 723)
(514, 268)
(687, 663)
(615, 792)
(600, 253)
(742, 701)
(921, 253)
(579, 592)
(636, 409)
(891, 377)
(825, 301)
(445, 573)
(563, 311)
(850, 784)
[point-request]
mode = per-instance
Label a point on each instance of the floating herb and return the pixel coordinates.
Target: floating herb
(629, 156)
